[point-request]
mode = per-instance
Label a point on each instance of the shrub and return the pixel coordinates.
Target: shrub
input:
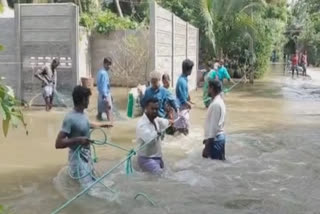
(106, 22)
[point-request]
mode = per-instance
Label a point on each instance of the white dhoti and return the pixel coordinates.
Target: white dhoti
(104, 104)
(48, 90)
(182, 119)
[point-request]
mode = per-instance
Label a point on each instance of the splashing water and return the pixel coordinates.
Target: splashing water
(59, 100)
(272, 161)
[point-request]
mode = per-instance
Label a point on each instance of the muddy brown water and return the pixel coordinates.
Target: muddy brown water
(272, 149)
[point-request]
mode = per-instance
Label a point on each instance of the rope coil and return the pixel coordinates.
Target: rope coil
(129, 168)
(127, 160)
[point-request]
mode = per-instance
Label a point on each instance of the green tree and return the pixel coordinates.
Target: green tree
(304, 28)
(1, 10)
(258, 24)
(224, 18)
(9, 112)
(106, 22)
(9, 109)
(233, 28)
(4, 210)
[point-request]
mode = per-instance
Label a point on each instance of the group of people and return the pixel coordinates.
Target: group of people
(217, 71)
(163, 110)
(173, 106)
(299, 59)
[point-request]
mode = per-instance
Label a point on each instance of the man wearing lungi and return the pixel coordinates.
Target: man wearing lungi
(103, 86)
(183, 98)
(75, 132)
(149, 131)
(48, 75)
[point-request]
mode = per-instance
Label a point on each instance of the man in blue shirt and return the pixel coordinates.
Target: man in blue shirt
(163, 96)
(182, 93)
(223, 72)
(103, 86)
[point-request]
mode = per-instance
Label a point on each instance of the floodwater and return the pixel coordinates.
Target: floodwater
(272, 149)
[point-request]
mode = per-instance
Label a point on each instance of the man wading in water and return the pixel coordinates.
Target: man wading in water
(223, 73)
(170, 113)
(149, 130)
(183, 98)
(48, 75)
(294, 63)
(304, 63)
(103, 86)
(214, 138)
(75, 132)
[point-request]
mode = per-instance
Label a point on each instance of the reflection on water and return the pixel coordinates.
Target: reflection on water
(272, 167)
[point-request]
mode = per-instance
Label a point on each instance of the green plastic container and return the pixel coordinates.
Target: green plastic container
(130, 105)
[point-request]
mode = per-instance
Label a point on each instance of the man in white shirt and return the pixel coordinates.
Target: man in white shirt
(148, 131)
(214, 138)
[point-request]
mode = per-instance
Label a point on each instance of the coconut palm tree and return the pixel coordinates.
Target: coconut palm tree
(224, 19)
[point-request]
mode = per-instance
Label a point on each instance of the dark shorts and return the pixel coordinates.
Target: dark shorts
(215, 148)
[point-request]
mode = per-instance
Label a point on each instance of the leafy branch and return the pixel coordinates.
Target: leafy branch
(106, 22)
(9, 110)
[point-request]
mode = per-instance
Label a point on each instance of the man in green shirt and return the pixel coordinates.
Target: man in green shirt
(223, 72)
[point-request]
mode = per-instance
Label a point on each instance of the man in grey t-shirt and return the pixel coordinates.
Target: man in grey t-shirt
(75, 136)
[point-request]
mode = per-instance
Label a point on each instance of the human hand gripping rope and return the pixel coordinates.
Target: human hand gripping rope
(129, 168)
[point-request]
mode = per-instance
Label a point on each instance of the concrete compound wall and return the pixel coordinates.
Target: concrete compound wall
(84, 53)
(172, 40)
(179, 47)
(192, 53)
(129, 52)
(8, 65)
(45, 32)
(41, 32)
(36, 35)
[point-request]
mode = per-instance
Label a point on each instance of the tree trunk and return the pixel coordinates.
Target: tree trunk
(119, 8)
(252, 59)
(251, 75)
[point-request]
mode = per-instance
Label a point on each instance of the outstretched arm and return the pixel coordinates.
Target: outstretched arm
(228, 77)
